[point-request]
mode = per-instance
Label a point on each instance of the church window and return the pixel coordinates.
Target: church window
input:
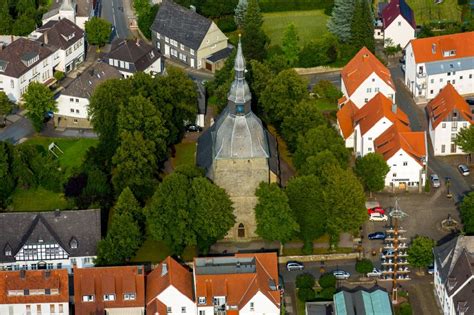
(241, 230)
(239, 109)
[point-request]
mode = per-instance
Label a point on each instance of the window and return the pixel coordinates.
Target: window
(460, 77)
(441, 80)
(109, 297)
(449, 81)
(87, 298)
(167, 40)
(77, 111)
(201, 312)
(59, 265)
(202, 300)
(28, 309)
(129, 296)
(366, 100)
(431, 91)
(181, 46)
(399, 23)
(449, 73)
(111, 62)
(252, 306)
(61, 310)
(127, 65)
(454, 81)
(405, 163)
(370, 138)
(369, 90)
(34, 266)
(394, 175)
(443, 125)
(52, 308)
(470, 76)
(38, 309)
(464, 125)
(432, 81)
(183, 309)
(75, 121)
(122, 65)
(158, 35)
(12, 84)
(72, 110)
(173, 42)
(191, 51)
(168, 309)
(158, 45)
(369, 149)
(376, 90)
(443, 148)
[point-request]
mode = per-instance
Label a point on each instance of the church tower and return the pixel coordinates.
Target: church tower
(67, 11)
(238, 153)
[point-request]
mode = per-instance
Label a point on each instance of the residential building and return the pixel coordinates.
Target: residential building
(406, 153)
(238, 153)
(241, 284)
(363, 77)
(361, 301)
(399, 24)
(49, 240)
(448, 113)
(454, 275)
(345, 121)
(34, 292)
(66, 39)
(433, 62)
(76, 11)
(169, 289)
(109, 290)
(183, 35)
(25, 61)
(319, 308)
(73, 103)
(130, 56)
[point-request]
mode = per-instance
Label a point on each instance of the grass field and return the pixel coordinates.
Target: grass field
(428, 10)
(309, 24)
(38, 199)
(154, 251)
(185, 154)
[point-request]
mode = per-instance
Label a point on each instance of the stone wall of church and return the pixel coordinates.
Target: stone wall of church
(240, 178)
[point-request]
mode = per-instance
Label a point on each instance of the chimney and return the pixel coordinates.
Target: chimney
(164, 269)
(394, 108)
(22, 274)
(45, 36)
(138, 42)
(433, 48)
(57, 213)
(192, 8)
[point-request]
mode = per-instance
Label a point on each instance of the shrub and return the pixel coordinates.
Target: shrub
(327, 281)
(227, 24)
(405, 309)
(327, 293)
(59, 75)
(75, 185)
(364, 266)
(306, 294)
(307, 248)
(305, 280)
(325, 89)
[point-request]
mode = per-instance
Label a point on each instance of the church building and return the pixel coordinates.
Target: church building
(238, 153)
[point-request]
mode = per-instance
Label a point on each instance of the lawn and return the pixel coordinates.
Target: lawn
(309, 24)
(38, 199)
(155, 251)
(185, 154)
(325, 106)
(427, 10)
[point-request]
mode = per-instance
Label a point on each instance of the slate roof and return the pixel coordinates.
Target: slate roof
(448, 253)
(82, 7)
(137, 52)
(396, 8)
(181, 24)
(22, 48)
(20, 228)
(443, 66)
(221, 54)
(85, 84)
(60, 34)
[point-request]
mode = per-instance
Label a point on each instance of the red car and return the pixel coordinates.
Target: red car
(376, 210)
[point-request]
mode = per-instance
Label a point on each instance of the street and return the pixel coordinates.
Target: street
(21, 128)
(334, 77)
(114, 12)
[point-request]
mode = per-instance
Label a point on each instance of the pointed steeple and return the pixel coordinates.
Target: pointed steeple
(239, 95)
(66, 6)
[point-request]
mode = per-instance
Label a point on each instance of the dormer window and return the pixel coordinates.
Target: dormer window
(449, 53)
(87, 298)
(202, 300)
(109, 297)
(29, 58)
(152, 54)
(3, 65)
(73, 243)
(129, 296)
(7, 250)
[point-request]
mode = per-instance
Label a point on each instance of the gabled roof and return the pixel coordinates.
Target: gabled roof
(137, 52)
(181, 24)
(238, 278)
(362, 301)
(22, 48)
(432, 48)
(108, 280)
(361, 67)
(445, 103)
(462, 270)
(85, 84)
(34, 280)
(396, 8)
(20, 228)
(448, 253)
(399, 137)
(377, 108)
(168, 273)
(345, 118)
(60, 34)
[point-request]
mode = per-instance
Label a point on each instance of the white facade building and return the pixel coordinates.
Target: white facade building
(448, 113)
(433, 62)
(76, 11)
(399, 25)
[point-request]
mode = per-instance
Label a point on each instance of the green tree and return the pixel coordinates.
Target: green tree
(305, 200)
(339, 23)
(275, 219)
(306, 294)
(145, 20)
(123, 240)
(319, 52)
(290, 45)
(364, 266)
(372, 169)
(239, 12)
(6, 173)
(127, 203)
(467, 213)
(23, 25)
(38, 101)
(260, 75)
(324, 89)
(362, 26)
(420, 252)
(6, 20)
(135, 165)
(98, 31)
(282, 93)
(254, 40)
(465, 139)
(6, 107)
(305, 280)
(318, 163)
(327, 280)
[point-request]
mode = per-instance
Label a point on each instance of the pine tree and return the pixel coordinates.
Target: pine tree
(340, 22)
(362, 26)
(290, 45)
(254, 40)
(6, 20)
(240, 12)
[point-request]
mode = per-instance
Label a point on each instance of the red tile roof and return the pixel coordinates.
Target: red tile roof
(399, 137)
(345, 118)
(361, 67)
(396, 8)
(377, 108)
(108, 280)
(34, 280)
(432, 48)
(239, 288)
(445, 103)
(158, 280)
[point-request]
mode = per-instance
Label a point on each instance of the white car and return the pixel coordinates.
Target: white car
(294, 265)
(374, 273)
(376, 216)
(341, 274)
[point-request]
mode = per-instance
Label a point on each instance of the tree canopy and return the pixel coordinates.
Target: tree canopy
(6, 173)
(290, 45)
(240, 12)
(372, 169)
(6, 106)
(362, 26)
(98, 31)
(254, 39)
(38, 101)
(465, 139)
(340, 21)
(420, 252)
(467, 213)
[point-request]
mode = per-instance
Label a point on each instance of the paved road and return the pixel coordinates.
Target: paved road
(21, 128)
(113, 11)
(313, 268)
(334, 77)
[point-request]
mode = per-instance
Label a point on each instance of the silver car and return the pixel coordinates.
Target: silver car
(294, 265)
(435, 180)
(341, 274)
(463, 169)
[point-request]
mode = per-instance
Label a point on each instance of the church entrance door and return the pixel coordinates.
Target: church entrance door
(241, 230)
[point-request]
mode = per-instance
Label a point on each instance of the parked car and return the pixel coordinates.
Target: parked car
(374, 273)
(341, 274)
(463, 169)
(435, 180)
(376, 210)
(377, 236)
(470, 101)
(193, 128)
(378, 217)
(430, 269)
(294, 265)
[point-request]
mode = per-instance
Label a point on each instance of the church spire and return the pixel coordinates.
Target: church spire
(239, 95)
(66, 6)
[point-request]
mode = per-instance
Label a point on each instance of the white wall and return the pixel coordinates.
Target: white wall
(173, 298)
(410, 173)
(81, 262)
(410, 69)
(365, 143)
(399, 31)
(368, 89)
(70, 105)
(155, 67)
(17, 309)
(208, 310)
(443, 134)
(76, 52)
(125, 311)
(261, 305)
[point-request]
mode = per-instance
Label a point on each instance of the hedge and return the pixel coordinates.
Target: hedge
(294, 5)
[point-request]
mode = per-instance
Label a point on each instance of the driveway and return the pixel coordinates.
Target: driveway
(21, 128)
(333, 76)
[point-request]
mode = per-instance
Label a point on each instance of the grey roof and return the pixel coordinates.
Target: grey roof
(221, 54)
(361, 301)
(463, 301)
(137, 52)
(239, 91)
(447, 254)
(462, 270)
(13, 54)
(61, 34)
(181, 24)
(319, 308)
(82, 7)
(224, 265)
(20, 228)
(85, 84)
(444, 66)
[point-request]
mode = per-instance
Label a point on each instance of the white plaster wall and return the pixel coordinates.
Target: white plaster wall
(366, 143)
(81, 262)
(410, 67)
(360, 96)
(173, 298)
(125, 311)
(76, 53)
(442, 136)
(463, 82)
(410, 172)
(154, 67)
(17, 309)
(262, 305)
(399, 31)
(65, 105)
